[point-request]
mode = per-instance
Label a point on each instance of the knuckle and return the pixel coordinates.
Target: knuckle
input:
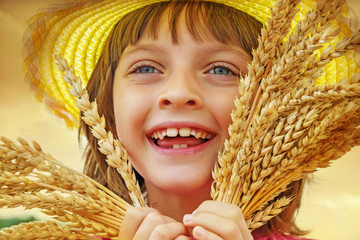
(182, 238)
(234, 212)
(161, 232)
(154, 217)
(138, 213)
(205, 204)
(133, 213)
(237, 214)
(231, 230)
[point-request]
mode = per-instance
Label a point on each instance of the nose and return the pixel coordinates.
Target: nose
(180, 91)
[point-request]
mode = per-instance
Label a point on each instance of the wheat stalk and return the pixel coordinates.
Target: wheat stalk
(295, 138)
(276, 29)
(291, 118)
(116, 155)
(41, 230)
(70, 196)
(259, 218)
(33, 156)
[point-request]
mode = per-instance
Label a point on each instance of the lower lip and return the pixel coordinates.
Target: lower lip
(181, 151)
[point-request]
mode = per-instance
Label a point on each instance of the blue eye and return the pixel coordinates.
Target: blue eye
(146, 69)
(222, 71)
(219, 70)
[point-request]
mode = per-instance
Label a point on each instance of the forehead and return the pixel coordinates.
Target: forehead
(175, 25)
(177, 16)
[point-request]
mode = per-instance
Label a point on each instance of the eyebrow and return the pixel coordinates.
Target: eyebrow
(158, 49)
(233, 50)
(143, 47)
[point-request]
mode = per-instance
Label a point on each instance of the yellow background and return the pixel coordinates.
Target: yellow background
(331, 205)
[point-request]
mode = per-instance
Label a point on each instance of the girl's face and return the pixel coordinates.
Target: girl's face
(172, 104)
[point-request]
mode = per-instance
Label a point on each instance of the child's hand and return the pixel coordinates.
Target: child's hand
(215, 220)
(148, 223)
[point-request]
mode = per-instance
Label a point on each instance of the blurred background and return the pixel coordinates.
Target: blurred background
(330, 207)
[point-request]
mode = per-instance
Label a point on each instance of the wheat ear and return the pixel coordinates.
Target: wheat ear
(289, 118)
(65, 194)
(41, 230)
(116, 155)
(276, 30)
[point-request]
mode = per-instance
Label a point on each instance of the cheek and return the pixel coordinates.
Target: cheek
(126, 114)
(130, 109)
(222, 106)
(122, 110)
(120, 120)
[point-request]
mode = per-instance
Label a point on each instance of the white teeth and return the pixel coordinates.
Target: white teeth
(203, 135)
(180, 145)
(162, 134)
(156, 134)
(184, 132)
(172, 132)
(197, 134)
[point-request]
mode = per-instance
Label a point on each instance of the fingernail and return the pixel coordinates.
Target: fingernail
(199, 232)
(188, 218)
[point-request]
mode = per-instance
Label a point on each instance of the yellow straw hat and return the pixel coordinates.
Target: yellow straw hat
(79, 30)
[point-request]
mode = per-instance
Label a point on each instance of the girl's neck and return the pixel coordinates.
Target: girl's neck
(174, 204)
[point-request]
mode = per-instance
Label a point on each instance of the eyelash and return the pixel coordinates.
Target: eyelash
(225, 67)
(140, 65)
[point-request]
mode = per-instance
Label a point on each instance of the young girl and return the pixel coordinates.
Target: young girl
(165, 81)
(174, 72)
(172, 93)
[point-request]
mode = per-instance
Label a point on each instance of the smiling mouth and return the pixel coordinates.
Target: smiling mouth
(177, 138)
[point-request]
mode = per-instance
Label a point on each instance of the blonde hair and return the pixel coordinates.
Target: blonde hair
(225, 24)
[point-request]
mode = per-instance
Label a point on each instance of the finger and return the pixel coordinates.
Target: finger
(148, 225)
(217, 225)
(169, 231)
(132, 220)
(226, 210)
(200, 233)
(182, 237)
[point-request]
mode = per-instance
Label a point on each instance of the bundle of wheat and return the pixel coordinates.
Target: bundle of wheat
(290, 128)
(33, 179)
(293, 126)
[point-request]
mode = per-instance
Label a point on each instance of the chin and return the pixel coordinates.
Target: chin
(185, 184)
